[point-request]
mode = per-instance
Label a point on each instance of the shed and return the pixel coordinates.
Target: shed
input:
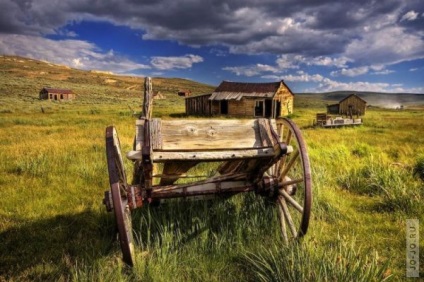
(350, 105)
(56, 94)
(242, 99)
(184, 93)
(198, 105)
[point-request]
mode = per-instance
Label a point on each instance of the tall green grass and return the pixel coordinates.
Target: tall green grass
(53, 225)
(339, 261)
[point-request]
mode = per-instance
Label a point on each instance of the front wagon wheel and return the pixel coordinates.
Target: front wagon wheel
(118, 184)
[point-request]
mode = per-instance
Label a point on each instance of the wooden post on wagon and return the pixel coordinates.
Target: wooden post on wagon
(147, 149)
(148, 98)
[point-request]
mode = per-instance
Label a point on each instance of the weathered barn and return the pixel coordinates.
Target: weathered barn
(56, 94)
(244, 100)
(350, 105)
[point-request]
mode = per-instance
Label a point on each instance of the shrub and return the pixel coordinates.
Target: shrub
(419, 168)
(393, 184)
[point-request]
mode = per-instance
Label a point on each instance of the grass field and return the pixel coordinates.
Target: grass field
(53, 226)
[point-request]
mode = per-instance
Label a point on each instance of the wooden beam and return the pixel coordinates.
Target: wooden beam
(165, 156)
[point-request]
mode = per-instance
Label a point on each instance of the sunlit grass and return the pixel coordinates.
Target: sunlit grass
(53, 225)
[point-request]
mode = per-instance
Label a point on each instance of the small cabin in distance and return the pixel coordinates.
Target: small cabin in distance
(240, 99)
(56, 94)
(349, 106)
(184, 93)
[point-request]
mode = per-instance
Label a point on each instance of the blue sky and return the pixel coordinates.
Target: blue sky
(314, 46)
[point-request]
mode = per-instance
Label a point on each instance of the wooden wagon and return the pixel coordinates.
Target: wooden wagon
(265, 156)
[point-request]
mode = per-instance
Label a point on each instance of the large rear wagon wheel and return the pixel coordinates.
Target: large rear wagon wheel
(293, 172)
(118, 184)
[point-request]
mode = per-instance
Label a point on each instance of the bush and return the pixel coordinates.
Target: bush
(393, 184)
(419, 168)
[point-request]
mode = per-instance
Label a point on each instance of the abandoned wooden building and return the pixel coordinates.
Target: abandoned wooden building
(350, 105)
(56, 94)
(184, 93)
(241, 99)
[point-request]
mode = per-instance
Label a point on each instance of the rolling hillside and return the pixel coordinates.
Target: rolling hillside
(22, 77)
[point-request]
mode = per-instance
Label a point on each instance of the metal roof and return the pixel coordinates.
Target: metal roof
(218, 96)
(237, 90)
(56, 90)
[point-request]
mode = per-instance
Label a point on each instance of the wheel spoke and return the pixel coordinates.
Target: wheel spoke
(288, 216)
(291, 201)
(289, 165)
(289, 136)
(282, 224)
(281, 131)
(290, 182)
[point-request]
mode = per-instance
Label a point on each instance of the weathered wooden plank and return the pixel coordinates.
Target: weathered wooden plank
(265, 133)
(139, 134)
(156, 132)
(207, 134)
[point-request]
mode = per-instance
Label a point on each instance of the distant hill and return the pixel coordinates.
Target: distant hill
(23, 77)
(378, 99)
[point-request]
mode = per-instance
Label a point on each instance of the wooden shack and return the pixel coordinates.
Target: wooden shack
(184, 93)
(198, 105)
(350, 105)
(240, 99)
(56, 94)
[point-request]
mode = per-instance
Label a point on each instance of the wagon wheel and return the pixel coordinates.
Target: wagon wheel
(118, 183)
(294, 183)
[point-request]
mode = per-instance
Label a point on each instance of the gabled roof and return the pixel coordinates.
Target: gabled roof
(57, 90)
(236, 90)
(351, 96)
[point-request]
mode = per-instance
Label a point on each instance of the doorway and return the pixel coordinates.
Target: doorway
(268, 108)
(224, 107)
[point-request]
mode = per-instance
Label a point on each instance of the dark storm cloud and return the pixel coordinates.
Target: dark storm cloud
(253, 26)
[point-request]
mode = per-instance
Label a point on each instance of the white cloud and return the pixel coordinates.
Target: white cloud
(383, 72)
(73, 53)
(324, 84)
(339, 62)
(294, 61)
(351, 72)
(272, 77)
(410, 16)
(251, 70)
(169, 63)
(304, 77)
(386, 46)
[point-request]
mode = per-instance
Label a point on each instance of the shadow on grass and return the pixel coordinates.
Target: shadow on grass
(222, 219)
(48, 249)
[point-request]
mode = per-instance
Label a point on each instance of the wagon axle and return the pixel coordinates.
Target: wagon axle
(136, 195)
